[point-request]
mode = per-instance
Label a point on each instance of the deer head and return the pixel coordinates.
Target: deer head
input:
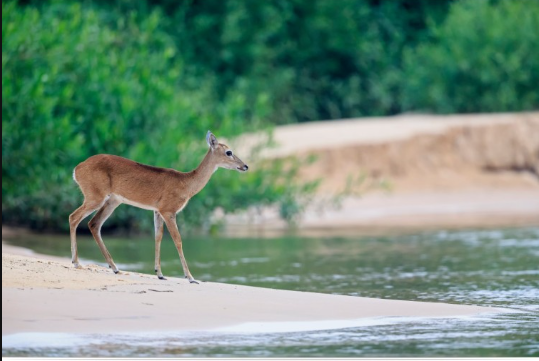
(223, 155)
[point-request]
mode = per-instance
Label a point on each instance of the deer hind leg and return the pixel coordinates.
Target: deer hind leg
(170, 221)
(87, 208)
(158, 223)
(95, 227)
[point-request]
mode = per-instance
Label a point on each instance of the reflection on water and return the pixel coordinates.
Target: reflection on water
(482, 267)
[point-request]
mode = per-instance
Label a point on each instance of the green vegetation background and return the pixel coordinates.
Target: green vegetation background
(147, 79)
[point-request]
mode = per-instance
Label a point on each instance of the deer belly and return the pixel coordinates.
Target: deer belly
(135, 203)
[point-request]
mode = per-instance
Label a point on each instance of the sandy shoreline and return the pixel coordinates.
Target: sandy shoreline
(48, 295)
(479, 208)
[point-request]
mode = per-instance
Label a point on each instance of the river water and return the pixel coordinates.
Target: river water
(495, 267)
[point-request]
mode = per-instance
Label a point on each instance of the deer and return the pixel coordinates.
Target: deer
(106, 181)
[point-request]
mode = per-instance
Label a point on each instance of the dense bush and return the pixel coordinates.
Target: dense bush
(320, 59)
(483, 58)
(313, 59)
(75, 84)
(317, 59)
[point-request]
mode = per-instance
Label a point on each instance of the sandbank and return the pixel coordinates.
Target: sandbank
(46, 295)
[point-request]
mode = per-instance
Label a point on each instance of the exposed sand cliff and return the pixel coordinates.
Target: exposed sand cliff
(417, 151)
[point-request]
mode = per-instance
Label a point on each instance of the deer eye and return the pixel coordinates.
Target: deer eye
(228, 153)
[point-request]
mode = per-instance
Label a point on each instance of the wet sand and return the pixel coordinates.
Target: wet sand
(46, 294)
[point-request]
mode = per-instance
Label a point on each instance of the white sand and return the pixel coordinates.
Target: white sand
(44, 295)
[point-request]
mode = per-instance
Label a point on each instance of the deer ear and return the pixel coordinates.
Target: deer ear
(211, 140)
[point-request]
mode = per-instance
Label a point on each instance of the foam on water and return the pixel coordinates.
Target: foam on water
(306, 326)
(45, 339)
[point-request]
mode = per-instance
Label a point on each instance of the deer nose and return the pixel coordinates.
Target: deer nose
(245, 167)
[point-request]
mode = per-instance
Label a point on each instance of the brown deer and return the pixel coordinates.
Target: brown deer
(108, 181)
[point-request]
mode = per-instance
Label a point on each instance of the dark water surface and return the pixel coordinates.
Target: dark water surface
(474, 267)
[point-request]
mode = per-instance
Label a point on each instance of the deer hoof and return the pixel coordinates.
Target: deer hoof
(193, 281)
(161, 277)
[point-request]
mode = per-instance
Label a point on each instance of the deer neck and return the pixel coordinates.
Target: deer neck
(200, 176)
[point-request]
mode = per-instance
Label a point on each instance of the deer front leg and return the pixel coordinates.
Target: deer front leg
(158, 223)
(170, 221)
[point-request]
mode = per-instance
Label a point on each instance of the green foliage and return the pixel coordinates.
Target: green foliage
(75, 83)
(320, 59)
(483, 58)
(316, 59)
(312, 59)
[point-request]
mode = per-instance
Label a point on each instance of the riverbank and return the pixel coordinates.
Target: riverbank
(415, 152)
(401, 212)
(40, 294)
(441, 171)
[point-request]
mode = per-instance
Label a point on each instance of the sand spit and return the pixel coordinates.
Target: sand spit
(44, 295)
